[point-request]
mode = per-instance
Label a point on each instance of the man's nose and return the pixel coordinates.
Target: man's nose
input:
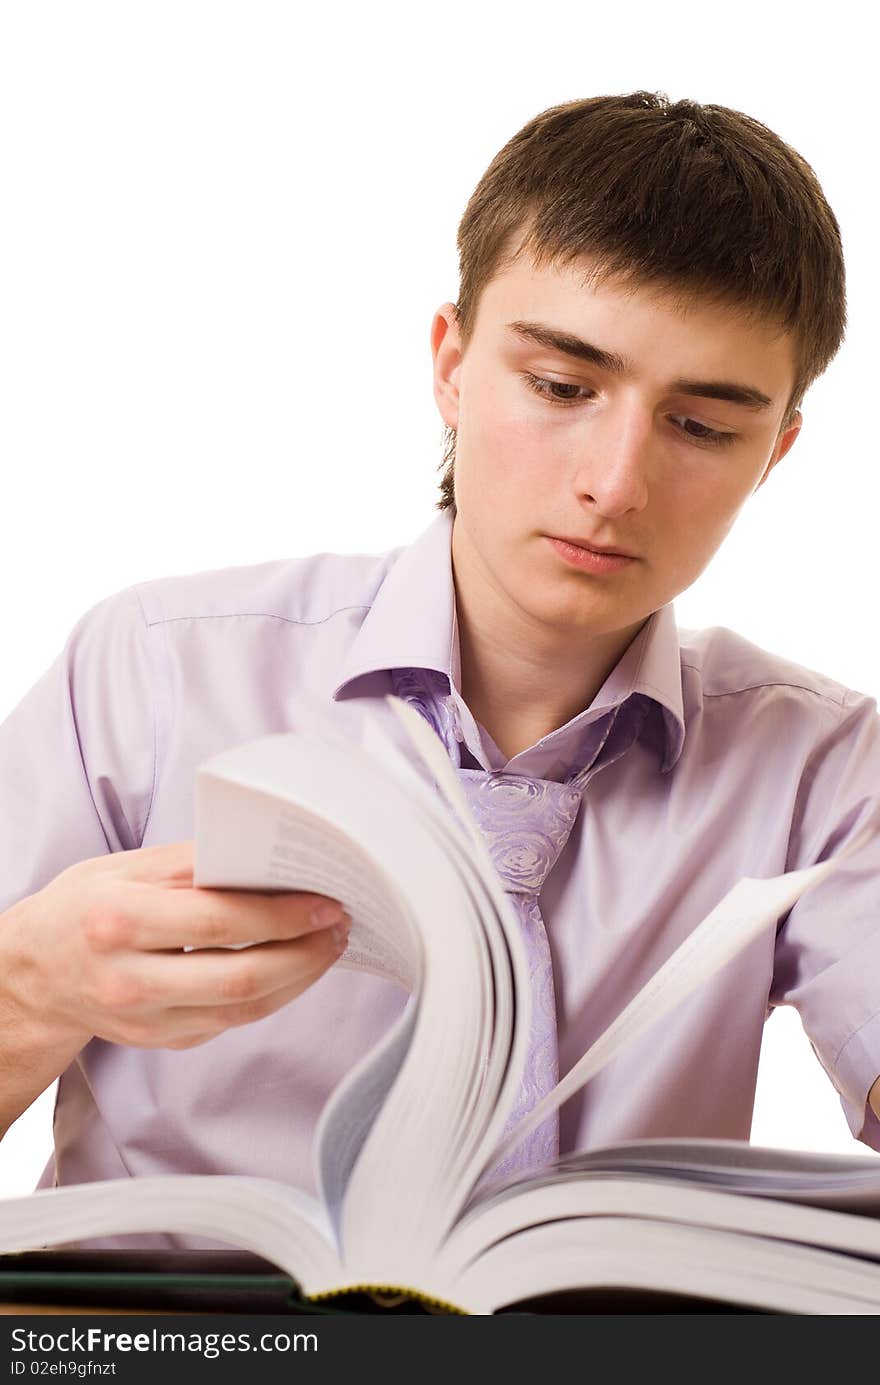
(613, 468)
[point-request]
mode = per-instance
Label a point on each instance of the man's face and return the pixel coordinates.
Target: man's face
(635, 463)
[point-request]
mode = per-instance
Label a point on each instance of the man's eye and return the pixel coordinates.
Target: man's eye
(706, 434)
(702, 437)
(545, 389)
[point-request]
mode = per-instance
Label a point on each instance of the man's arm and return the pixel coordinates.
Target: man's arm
(828, 950)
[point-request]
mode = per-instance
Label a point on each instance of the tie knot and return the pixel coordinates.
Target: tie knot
(525, 822)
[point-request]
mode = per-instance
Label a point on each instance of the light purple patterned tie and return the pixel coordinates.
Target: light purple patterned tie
(526, 823)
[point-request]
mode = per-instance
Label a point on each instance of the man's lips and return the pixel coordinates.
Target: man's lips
(593, 547)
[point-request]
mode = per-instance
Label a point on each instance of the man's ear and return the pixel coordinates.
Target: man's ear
(784, 443)
(446, 350)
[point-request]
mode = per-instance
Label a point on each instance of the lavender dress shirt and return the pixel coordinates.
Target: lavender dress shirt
(742, 763)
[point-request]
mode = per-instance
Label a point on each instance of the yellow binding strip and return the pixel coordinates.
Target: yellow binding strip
(389, 1296)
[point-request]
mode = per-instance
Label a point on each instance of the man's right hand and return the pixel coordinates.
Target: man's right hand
(99, 952)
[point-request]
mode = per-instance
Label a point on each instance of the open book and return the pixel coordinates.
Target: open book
(405, 1139)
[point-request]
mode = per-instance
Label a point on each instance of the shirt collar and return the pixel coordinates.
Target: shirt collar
(412, 624)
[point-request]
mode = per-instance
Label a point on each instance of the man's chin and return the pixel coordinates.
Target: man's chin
(581, 619)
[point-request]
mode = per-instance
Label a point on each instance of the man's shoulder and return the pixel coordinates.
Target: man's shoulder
(725, 664)
(300, 590)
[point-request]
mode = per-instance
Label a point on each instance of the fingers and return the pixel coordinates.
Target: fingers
(129, 979)
(140, 983)
(146, 918)
(184, 1026)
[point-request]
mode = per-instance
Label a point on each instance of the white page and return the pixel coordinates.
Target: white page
(349, 1113)
(632, 1193)
(282, 1223)
(632, 1252)
(257, 840)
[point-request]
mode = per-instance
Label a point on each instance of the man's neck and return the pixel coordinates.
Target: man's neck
(521, 682)
(519, 699)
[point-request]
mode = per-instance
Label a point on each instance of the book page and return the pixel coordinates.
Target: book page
(280, 1222)
(634, 1192)
(348, 1116)
(257, 841)
(632, 1252)
(735, 1158)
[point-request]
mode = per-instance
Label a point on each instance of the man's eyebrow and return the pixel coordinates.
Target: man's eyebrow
(555, 340)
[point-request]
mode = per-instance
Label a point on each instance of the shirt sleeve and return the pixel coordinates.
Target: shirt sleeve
(827, 961)
(77, 754)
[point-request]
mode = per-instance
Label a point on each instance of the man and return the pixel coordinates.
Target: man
(647, 291)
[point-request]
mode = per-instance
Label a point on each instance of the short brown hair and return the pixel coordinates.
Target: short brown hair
(699, 199)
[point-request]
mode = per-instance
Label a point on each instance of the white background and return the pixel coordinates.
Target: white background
(225, 230)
